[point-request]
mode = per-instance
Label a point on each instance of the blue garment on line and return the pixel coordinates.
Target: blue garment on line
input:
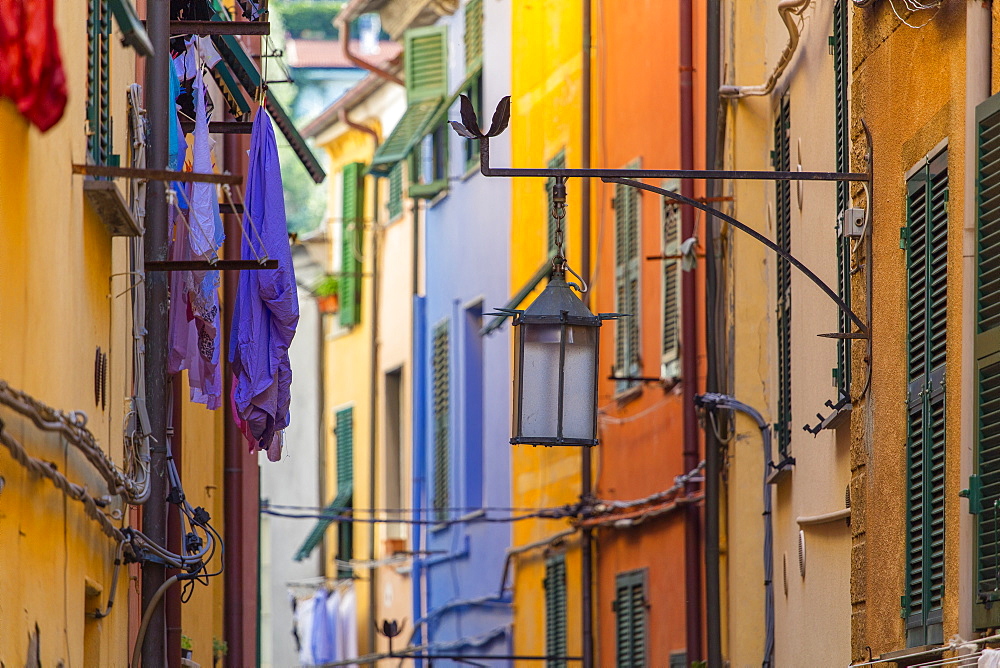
(266, 311)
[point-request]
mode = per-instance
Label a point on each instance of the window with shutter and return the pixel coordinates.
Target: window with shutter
(555, 610)
(630, 619)
(425, 56)
(352, 244)
(344, 431)
(783, 228)
(926, 273)
(987, 351)
(670, 218)
(98, 82)
(395, 204)
(473, 35)
(440, 368)
(558, 162)
(425, 68)
(841, 71)
(627, 247)
(473, 71)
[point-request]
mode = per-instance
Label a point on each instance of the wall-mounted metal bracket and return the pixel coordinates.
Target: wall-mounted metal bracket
(469, 128)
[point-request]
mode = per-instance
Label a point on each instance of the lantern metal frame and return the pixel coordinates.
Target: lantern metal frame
(556, 305)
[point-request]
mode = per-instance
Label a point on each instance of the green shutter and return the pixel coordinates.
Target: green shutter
(555, 610)
(841, 73)
(352, 244)
(98, 81)
(987, 352)
(342, 503)
(425, 51)
(670, 215)
(926, 269)
(558, 162)
(628, 213)
(408, 131)
(344, 431)
(440, 366)
(630, 619)
(396, 191)
(473, 35)
(783, 232)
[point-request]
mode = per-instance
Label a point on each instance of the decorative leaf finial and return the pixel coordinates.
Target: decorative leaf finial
(469, 127)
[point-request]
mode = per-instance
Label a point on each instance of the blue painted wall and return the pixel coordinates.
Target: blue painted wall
(466, 236)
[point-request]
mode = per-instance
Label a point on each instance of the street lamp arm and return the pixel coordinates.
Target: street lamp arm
(756, 235)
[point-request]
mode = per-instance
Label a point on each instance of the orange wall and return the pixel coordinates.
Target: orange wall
(637, 116)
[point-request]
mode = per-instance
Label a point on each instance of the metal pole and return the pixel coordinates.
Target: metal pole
(713, 618)
(586, 555)
(689, 343)
(234, 448)
(586, 566)
(154, 517)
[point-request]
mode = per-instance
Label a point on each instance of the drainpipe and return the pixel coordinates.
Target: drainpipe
(788, 9)
(344, 29)
(713, 464)
(154, 521)
(689, 342)
(586, 475)
(373, 413)
(342, 115)
(234, 453)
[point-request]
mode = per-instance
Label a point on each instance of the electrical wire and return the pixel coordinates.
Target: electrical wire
(915, 6)
(338, 517)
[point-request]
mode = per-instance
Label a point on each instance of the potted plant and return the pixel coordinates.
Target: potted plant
(219, 649)
(327, 292)
(186, 647)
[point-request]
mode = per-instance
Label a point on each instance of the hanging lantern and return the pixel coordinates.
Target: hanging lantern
(555, 369)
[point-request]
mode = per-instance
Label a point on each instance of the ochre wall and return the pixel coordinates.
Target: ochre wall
(924, 105)
(56, 260)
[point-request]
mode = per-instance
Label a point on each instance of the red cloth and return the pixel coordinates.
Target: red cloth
(31, 72)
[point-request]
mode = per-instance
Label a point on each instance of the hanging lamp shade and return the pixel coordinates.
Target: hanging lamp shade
(555, 369)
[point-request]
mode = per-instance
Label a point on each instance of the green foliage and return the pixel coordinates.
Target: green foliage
(308, 19)
(186, 642)
(327, 286)
(219, 647)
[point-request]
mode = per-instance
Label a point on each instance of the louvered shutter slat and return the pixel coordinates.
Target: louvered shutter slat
(473, 35)
(425, 63)
(352, 245)
(440, 364)
(783, 232)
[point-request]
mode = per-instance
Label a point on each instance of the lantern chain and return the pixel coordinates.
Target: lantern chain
(558, 216)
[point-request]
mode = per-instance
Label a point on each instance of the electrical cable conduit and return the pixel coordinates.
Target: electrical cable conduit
(788, 9)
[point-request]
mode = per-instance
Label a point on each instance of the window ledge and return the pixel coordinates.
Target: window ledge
(111, 208)
(428, 190)
(628, 395)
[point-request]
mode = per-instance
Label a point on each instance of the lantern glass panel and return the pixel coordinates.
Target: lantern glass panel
(540, 380)
(579, 402)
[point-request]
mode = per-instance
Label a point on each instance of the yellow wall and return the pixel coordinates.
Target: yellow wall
(545, 114)
(348, 371)
(55, 264)
(816, 485)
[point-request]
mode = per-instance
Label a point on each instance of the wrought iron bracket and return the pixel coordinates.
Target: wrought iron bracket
(469, 128)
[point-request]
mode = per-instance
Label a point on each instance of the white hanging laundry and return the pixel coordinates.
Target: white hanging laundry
(333, 619)
(304, 624)
(348, 618)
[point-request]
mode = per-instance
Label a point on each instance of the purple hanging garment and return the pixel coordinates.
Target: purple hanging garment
(267, 308)
(194, 331)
